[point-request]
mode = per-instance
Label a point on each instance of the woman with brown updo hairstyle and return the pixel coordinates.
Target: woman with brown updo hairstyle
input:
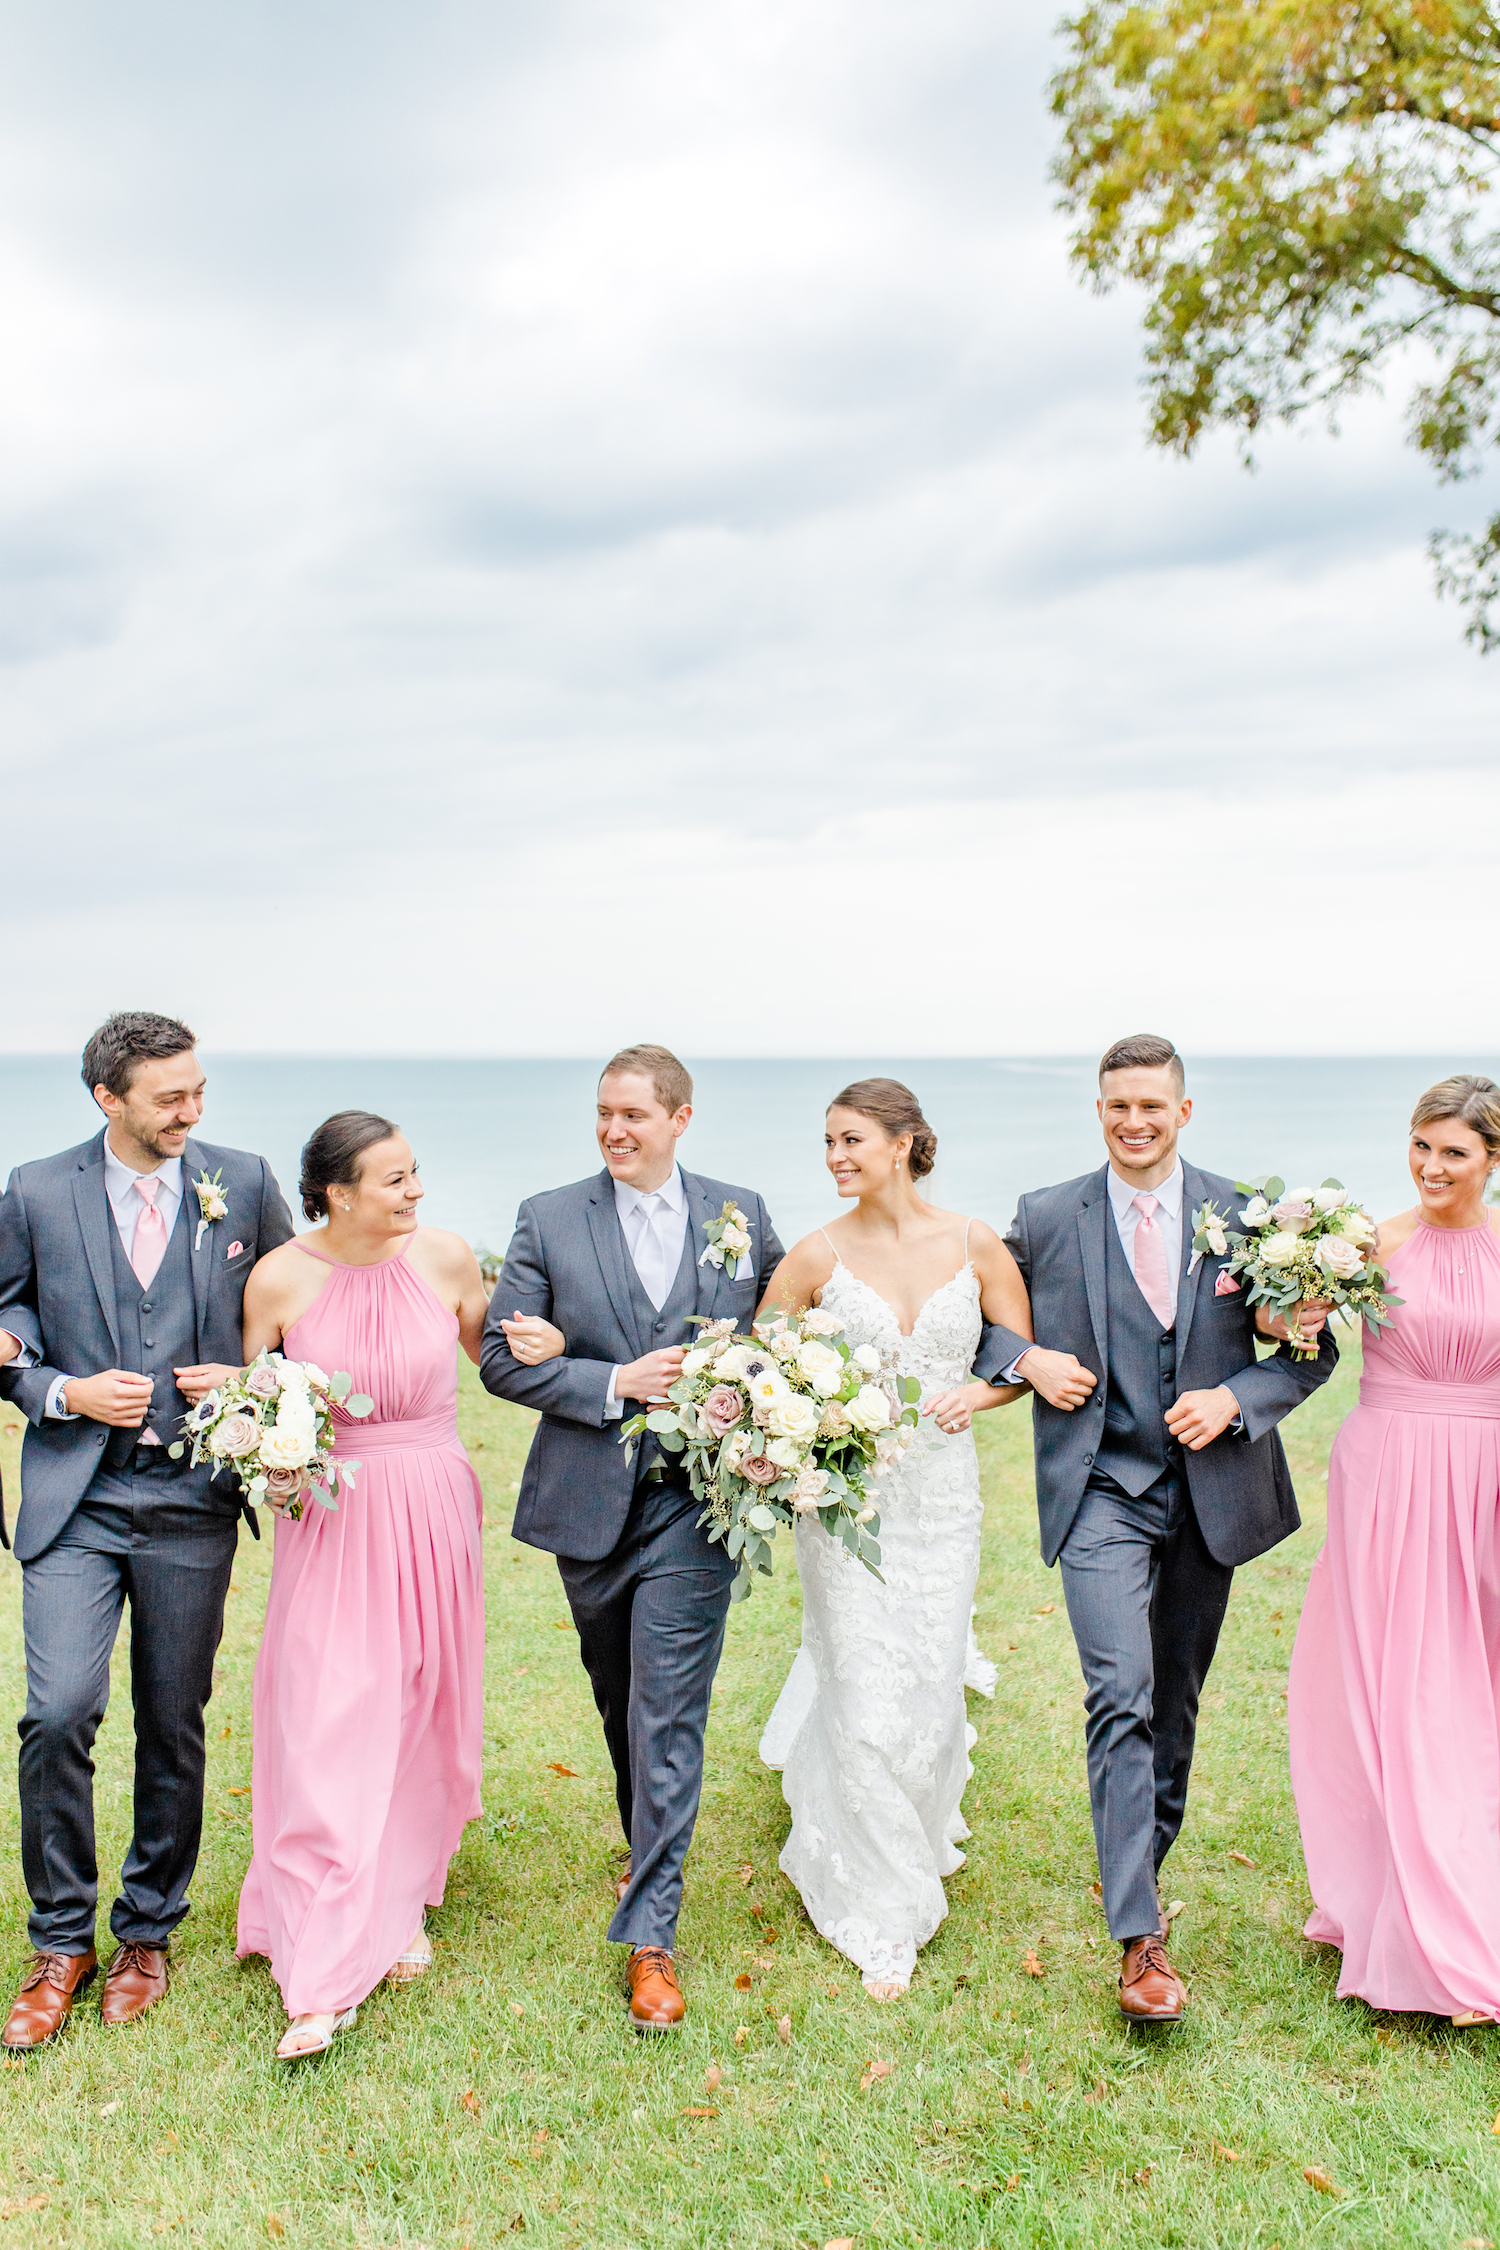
(1394, 1697)
(870, 1730)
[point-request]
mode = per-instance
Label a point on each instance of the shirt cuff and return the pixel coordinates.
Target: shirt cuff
(1237, 1426)
(55, 1411)
(613, 1407)
(1008, 1374)
(24, 1355)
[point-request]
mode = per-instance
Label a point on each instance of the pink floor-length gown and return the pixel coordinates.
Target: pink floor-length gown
(369, 1681)
(1394, 1697)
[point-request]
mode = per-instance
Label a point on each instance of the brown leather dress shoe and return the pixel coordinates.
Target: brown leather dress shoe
(136, 1980)
(656, 2002)
(1151, 1991)
(45, 2000)
(620, 1882)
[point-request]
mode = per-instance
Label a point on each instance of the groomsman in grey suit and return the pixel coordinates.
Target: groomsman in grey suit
(120, 1290)
(616, 1263)
(1158, 1467)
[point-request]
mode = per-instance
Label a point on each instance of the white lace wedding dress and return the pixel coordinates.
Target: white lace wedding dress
(870, 1731)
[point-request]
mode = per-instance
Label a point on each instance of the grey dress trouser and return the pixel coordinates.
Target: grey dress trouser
(159, 1540)
(1145, 1600)
(650, 1619)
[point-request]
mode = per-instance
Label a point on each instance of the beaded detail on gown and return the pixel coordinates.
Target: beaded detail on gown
(870, 1729)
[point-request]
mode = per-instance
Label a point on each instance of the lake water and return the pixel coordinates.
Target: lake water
(489, 1133)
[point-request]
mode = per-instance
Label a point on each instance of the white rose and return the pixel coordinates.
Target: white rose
(888, 1447)
(1328, 1199)
(865, 1515)
(1279, 1249)
(1217, 1240)
(869, 1409)
(732, 1362)
(785, 1452)
(736, 1446)
(795, 1417)
(866, 1359)
(735, 1240)
(694, 1362)
(1256, 1212)
(822, 1365)
(816, 1322)
(785, 1346)
(295, 1411)
(286, 1445)
(1357, 1226)
(1337, 1255)
(810, 1490)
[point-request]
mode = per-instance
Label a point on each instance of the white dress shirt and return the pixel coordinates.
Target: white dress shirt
(1167, 1215)
(126, 1207)
(654, 1224)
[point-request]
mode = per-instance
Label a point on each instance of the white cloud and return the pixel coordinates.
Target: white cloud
(485, 499)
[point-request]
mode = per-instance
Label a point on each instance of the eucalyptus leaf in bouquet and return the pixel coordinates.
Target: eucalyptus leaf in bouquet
(273, 1425)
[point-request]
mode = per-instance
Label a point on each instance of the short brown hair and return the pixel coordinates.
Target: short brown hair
(1143, 1051)
(896, 1110)
(671, 1084)
(1470, 1101)
(125, 1040)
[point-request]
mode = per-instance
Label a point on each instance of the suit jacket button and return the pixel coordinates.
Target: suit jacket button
(1088, 1460)
(147, 1308)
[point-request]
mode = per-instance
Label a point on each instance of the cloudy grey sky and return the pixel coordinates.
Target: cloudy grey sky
(524, 526)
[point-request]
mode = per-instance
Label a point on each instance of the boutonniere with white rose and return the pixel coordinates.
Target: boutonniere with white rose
(1311, 1243)
(728, 1240)
(213, 1203)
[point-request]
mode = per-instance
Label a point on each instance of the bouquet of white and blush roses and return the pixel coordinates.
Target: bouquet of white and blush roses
(789, 1422)
(273, 1425)
(1311, 1243)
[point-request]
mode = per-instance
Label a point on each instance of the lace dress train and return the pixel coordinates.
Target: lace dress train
(870, 1729)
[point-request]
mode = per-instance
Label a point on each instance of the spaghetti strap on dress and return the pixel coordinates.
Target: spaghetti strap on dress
(369, 1681)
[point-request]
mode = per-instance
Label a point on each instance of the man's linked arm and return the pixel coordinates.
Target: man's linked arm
(577, 1390)
(31, 1385)
(1271, 1388)
(275, 1223)
(1000, 1348)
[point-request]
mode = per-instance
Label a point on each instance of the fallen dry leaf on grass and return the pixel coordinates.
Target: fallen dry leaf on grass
(1013, 2182)
(1178, 1906)
(32, 2203)
(1045, 1611)
(1030, 1963)
(1242, 1859)
(239, 1792)
(713, 2079)
(1096, 1893)
(470, 2102)
(1100, 2093)
(876, 2070)
(554, 1767)
(1476, 2242)
(517, 2225)
(275, 2225)
(516, 2009)
(539, 2140)
(1228, 2155)
(109, 2109)
(1316, 2177)
(741, 2034)
(700, 2113)
(746, 1873)
(840, 2242)
(1143, 2176)
(784, 2030)
(743, 1981)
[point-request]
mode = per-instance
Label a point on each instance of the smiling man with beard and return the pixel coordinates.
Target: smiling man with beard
(1158, 1467)
(617, 1263)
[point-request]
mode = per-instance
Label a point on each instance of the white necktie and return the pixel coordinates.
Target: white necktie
(650, 1252)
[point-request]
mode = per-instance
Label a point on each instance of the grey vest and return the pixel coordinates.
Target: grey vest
(1137, 1447)
(158, 1332)
(659, 1329)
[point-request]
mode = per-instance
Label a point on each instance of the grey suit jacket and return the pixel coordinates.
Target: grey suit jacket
(568, 1263)
(1240, 1485)
(57, 1293)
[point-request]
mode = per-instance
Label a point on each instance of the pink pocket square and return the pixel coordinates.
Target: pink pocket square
(1226, 1285)
(234, 1249)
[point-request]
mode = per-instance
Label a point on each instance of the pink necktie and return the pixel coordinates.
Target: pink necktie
(150, 1244)
(1151, 1260)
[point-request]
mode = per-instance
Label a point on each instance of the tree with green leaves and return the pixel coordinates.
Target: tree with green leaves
(1300, 187)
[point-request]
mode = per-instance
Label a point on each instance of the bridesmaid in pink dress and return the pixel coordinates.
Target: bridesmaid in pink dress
(368, 1684)
(1394, 1698)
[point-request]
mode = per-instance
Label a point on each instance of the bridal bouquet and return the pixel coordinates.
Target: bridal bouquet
(273, 1425)
(792, 1421)
(1313, 1242)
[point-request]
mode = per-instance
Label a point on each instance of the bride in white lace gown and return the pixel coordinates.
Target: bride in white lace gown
(870, 1730)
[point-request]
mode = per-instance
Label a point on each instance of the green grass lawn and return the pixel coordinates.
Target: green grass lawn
(504, 2095)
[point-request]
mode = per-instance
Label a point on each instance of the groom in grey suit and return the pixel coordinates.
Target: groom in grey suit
(123, 1288)
(616, 1263)
(1158, 1467)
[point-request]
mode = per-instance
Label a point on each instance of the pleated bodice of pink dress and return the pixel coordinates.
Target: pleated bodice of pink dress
(1394, 1696)
(369, 1681)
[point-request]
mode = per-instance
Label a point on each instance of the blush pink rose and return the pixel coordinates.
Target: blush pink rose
(722, 1408)
(235, 1435)
(261, 1382)
(284, 1484)
(759, 1470)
